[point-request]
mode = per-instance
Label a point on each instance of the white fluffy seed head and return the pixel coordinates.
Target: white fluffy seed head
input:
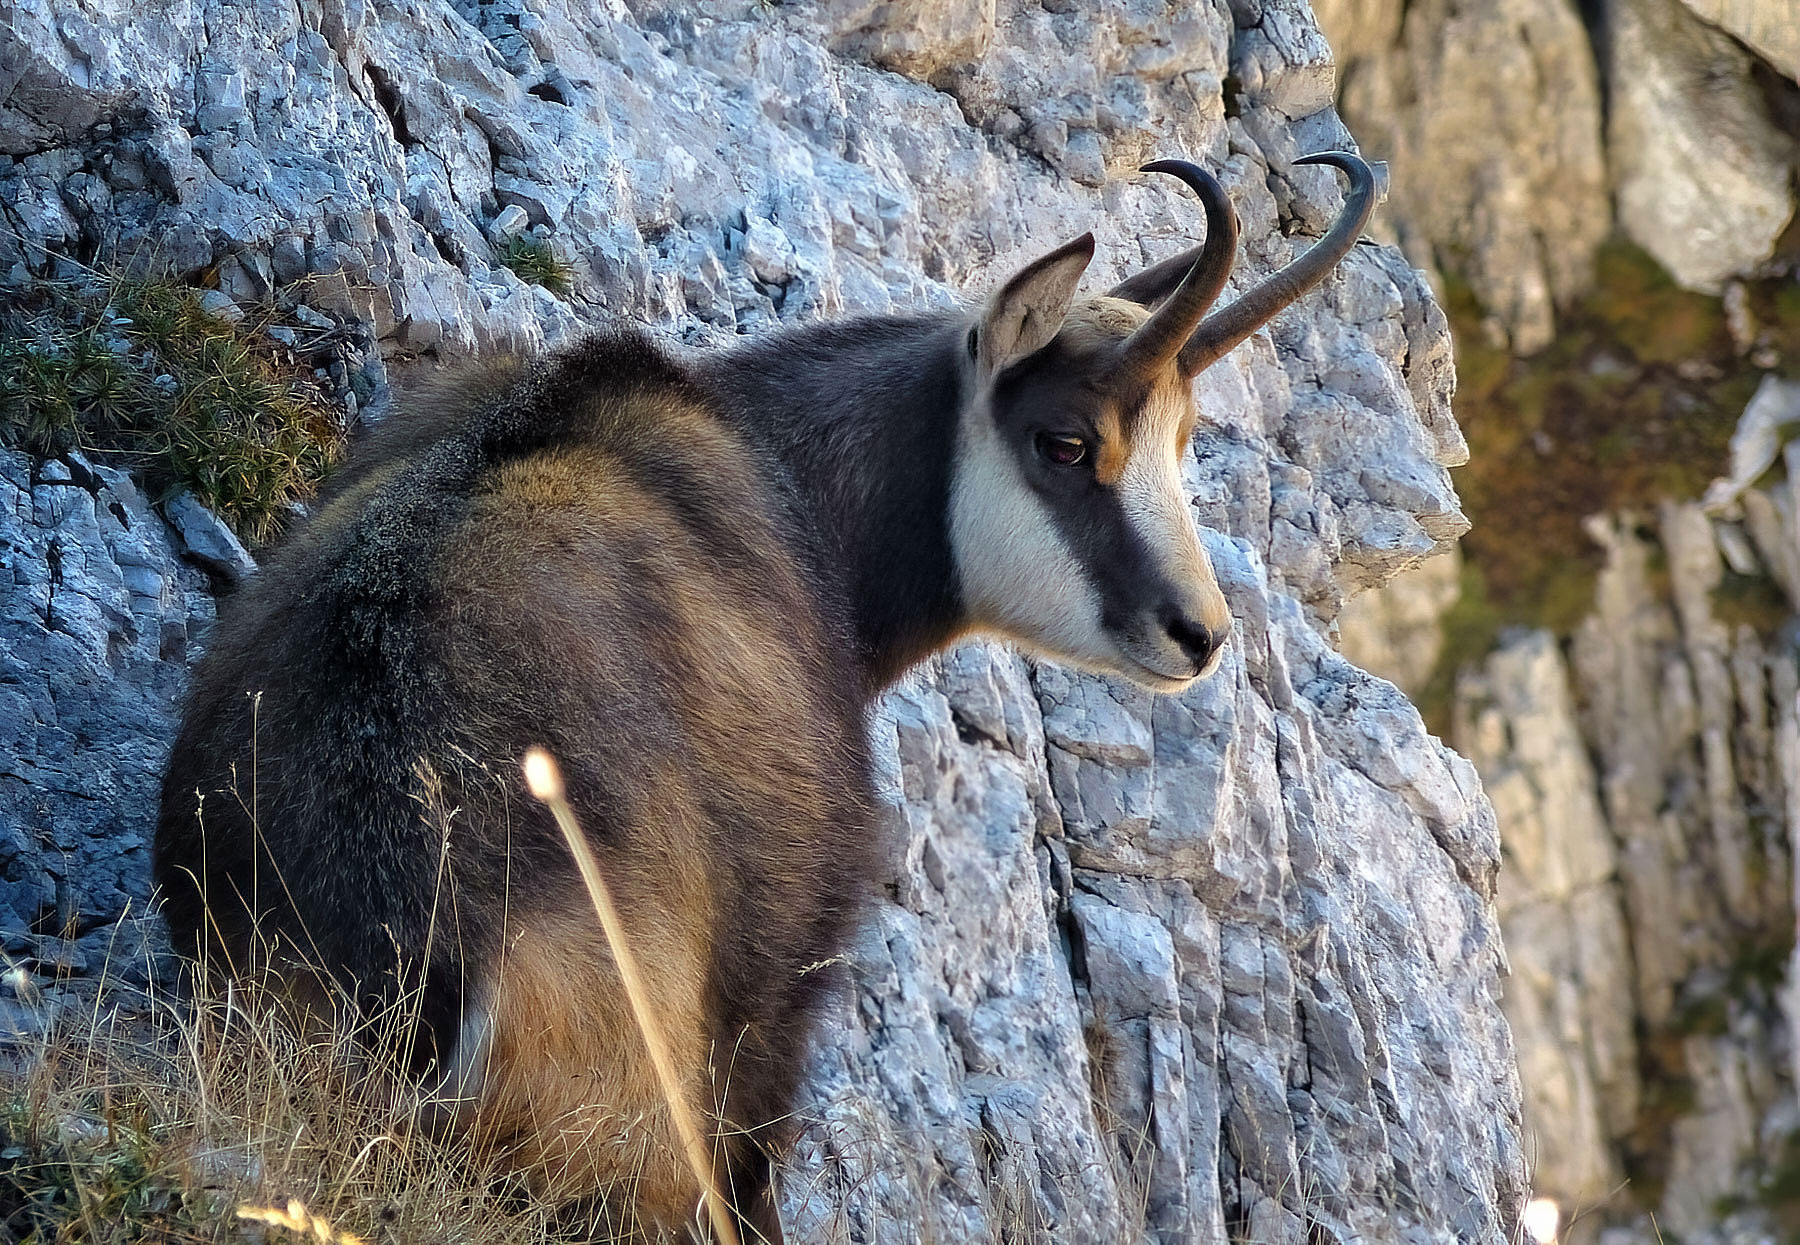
(542, 776)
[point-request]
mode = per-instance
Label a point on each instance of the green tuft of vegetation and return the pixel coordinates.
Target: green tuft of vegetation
(209, 1119)
(532, 259)
(1669, 1094)
(1778, 1190)
(1639, 305)
(1755, 601)
(1471, 628)
(1633, 403)
(96, 1178)
(139, 369)
(1759, 963)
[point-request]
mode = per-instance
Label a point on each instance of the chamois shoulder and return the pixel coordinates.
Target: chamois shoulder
(836, 336)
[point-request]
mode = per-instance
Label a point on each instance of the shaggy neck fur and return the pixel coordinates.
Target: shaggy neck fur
(862, 417)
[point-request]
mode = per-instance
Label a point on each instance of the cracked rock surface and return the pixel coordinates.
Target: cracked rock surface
(1648, 791)
(1516, 126)
(101, 615)
(1213, 967)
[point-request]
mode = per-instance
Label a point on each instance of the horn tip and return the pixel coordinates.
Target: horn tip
(1348, 161)
(1365, 177)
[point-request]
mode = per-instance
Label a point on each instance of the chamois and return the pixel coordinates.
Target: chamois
(686, 576)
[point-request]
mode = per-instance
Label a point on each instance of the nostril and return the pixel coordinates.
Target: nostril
(1196, 640)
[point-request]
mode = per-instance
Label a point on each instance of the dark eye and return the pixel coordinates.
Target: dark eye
(1063, 451)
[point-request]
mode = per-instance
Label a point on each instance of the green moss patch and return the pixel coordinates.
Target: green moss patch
(1633, 403)
(137, 370)
(1778, 1189)
(99, 1178)
(1755, 601)
(1669, 1094)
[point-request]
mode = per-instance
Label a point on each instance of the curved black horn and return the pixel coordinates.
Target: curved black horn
(1159, 339)
(1231, 325)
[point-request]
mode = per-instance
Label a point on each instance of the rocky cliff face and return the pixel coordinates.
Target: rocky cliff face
(1510, 157)
(101, 616)
(1185, 969)
(1647, 891)
(1643, 763)
(1491, 116)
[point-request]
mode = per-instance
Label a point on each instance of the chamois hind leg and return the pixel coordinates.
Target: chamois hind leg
(753, 1187)
(566, 1088)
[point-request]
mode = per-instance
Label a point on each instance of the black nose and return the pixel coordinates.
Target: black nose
(1198, 641)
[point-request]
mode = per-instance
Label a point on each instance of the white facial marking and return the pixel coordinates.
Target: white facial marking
(1018, 576)
(1150, 486)
(1020, 579)
(1156, 506)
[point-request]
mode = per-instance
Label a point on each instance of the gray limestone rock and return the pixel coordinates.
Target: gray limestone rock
(1506, 146)
(1394, 631)
(1643, 778)
(1771, 28)
(101, 618)
(1491, 115)
(1646, 788)
(922, 41)
(1144, 969)
(1560, 904)
(1703, 173)
(205, 538)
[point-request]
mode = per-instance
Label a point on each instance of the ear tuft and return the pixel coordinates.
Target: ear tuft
(1028, 310)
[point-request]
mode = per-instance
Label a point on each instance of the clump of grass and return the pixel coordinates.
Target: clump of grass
(1755, 601)
(138, 368)
(533, 260)
(188, 1118)
(71, 1177)
(157, 1119)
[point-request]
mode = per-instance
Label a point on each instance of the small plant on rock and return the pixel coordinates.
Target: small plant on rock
(532, 260)
(137, 368)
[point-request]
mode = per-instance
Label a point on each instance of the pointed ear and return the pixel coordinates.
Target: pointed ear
(1157, 282)
(1028, 310)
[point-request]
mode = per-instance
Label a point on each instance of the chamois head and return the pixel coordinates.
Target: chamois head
(1069, 524)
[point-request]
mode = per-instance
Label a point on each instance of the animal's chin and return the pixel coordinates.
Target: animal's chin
(1156, 680)
(1146, 674)
(1104, 653)
(1155, 676)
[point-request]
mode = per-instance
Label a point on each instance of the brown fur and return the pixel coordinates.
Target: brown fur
(589, 560)
(570, 1094)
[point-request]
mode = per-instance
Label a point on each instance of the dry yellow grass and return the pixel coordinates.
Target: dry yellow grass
(296, 1218)
(208, 1115)
(136, 1117)
(212, 1114)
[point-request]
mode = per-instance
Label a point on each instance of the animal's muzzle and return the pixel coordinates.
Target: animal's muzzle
(1199, 642)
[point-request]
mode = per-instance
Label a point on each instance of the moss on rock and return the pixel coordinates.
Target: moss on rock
(1632, 404)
